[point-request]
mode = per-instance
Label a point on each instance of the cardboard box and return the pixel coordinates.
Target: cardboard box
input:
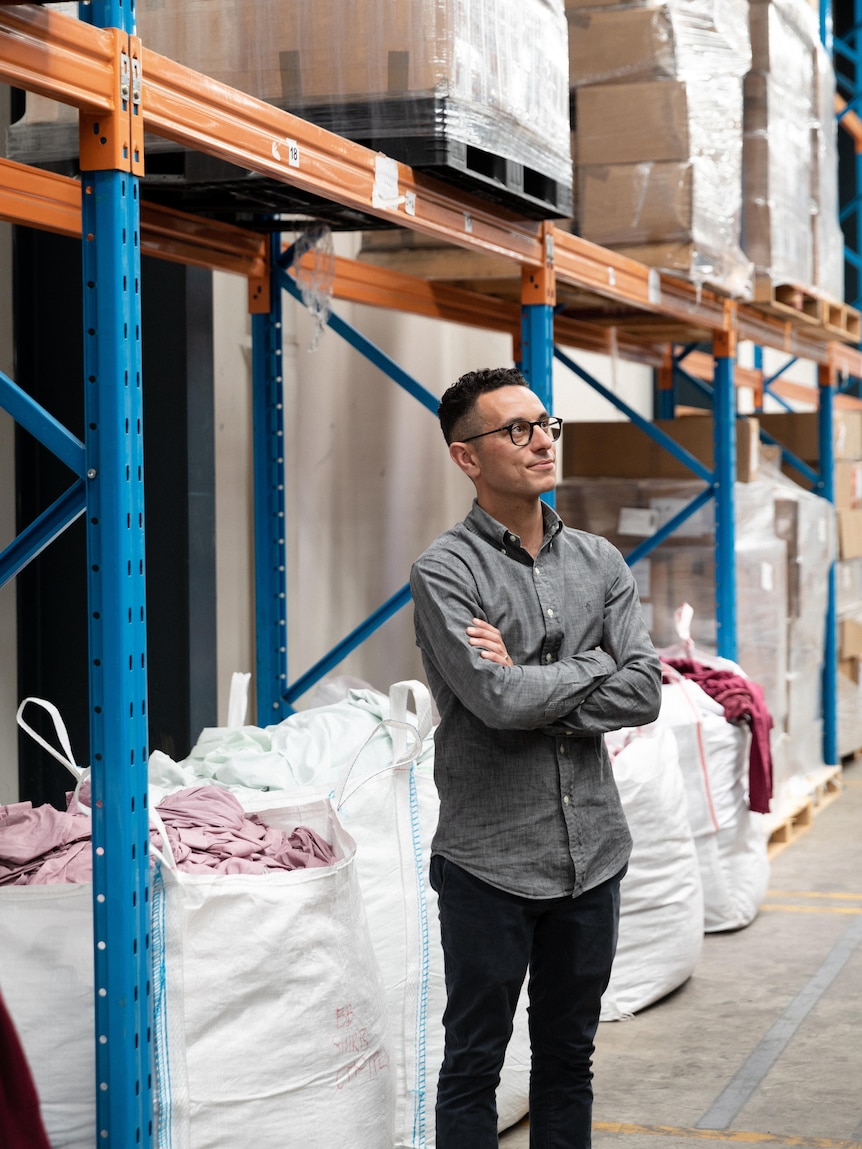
(782, 41)
(850, 637)
(848, 586)
(849, 667)
(632, 123)
(848, 483)
(684, 574)
(777, 167)
(624, 451)
(849, 534)
(609, 45)
(635, 203)
(799, 432)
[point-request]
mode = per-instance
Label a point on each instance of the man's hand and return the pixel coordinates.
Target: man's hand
(490, 642)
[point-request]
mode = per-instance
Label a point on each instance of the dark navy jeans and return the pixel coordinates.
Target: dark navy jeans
(490, 940)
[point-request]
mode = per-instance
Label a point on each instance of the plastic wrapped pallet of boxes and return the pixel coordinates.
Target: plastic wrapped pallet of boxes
(478, 91)
(777, 142)
(828, 238)
(658, 133)
(806, 523)
(848, 583)
(425, 81)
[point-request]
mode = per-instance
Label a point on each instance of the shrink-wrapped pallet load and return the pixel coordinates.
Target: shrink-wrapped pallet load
(478, 93)
(658, 129)
(828, 238)
(778, 160)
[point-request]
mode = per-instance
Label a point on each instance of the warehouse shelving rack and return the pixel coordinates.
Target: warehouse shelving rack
(559, 290)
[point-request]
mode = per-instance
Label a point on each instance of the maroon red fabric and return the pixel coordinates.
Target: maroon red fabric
(20, 1118)
(743, 701)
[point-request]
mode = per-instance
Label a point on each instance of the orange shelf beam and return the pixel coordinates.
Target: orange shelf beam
(35, 198)
(57, 56)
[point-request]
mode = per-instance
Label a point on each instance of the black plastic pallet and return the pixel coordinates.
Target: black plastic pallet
(416, 131)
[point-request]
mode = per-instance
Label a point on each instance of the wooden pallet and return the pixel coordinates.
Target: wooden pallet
(825, 786)
(823, 318)
(787, 300)
(841, 320)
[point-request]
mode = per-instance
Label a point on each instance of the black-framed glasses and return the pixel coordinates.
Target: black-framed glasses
(521, 431)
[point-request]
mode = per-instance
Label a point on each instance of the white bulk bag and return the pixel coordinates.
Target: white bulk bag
(661, 898)
(46, 977)
(731, 844)
(269, 1013)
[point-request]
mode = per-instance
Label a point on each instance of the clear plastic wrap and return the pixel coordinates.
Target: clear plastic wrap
(677, 39)
(779, 142)
(849, 716)
(484, 74)
(658, 121)
(807, 524)
(828, 237)
(777, 175)
(492, 74)
(848, 586)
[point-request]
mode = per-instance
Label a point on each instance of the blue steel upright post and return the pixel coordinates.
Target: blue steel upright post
(538, 299)
(111, 163)
(826, 487)
(724, 477)
(270, 543)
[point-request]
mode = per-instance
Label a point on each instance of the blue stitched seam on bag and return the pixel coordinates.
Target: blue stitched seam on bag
(160, 1020)
(424, 963)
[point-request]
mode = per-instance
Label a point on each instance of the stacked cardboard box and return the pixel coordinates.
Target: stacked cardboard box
(827, 237)
(799, 433)
(658, 132)
(806, 523)
(778, 167)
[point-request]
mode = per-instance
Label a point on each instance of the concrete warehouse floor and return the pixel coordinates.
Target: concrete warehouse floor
(763, 1044)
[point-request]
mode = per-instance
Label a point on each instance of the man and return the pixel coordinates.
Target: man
(534, 645)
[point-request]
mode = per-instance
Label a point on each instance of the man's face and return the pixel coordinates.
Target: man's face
(502, 469)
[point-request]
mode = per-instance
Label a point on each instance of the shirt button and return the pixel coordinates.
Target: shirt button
(513, 538)
(562, 747)
(548, 657)
(550, 612)
(503, 549)
(565, 799)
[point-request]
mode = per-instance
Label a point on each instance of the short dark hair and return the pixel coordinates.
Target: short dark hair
(459, 400)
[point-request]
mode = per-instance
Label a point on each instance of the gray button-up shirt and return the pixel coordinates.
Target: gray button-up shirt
(528, 800)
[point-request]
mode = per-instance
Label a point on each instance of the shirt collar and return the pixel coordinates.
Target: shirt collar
(481, 523)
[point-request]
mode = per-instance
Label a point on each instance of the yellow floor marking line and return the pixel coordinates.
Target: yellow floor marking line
(729, 1137)
(813, 909)
(811, 894)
